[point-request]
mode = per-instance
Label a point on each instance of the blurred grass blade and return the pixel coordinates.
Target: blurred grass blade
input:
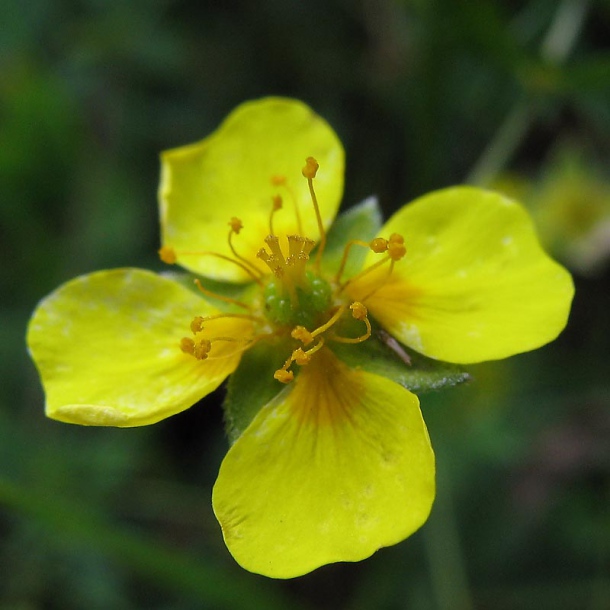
(187, 575)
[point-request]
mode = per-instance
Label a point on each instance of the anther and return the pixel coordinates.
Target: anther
(236, 225)
(300, 356)
(311, 168)
(300, 333)
(359, 311)
(379, 245)
(187, 345)
(202, 348)
(396, 247)
(283, 375)
(197, 324)
(309, 171)
(278, 180)
(167, 255)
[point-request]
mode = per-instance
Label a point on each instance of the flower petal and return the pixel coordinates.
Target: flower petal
(474, 285)
(333, 469)
(107, 349)
(229, 174)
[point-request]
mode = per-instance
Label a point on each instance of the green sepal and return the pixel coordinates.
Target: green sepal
(252, 385)
(363, 221)
(383, 355)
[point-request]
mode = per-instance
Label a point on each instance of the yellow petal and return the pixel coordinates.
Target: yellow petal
(229, 174)
(474, 285)
(333, 469)
(107, 349)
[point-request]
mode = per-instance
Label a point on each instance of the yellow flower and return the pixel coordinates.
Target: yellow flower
(330, 461)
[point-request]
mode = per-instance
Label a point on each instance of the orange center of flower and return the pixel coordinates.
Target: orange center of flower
(296, 300)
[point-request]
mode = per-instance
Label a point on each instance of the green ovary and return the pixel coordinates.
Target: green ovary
(313, 298)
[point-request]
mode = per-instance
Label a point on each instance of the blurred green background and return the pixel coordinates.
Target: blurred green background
(424, 94)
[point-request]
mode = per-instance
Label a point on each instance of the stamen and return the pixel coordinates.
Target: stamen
(277, 205)
(198, 321)
(364, 272)
(281, 181)
(236, 226)
(187, 345)
(306, 337)
(283, 375)
(301, 357)
(359, 312)
(309, 171)
(377, 245)
(395, 251)
(220, 297)
(167, 254)
(300, 333)
(396, 247)
(254, 274)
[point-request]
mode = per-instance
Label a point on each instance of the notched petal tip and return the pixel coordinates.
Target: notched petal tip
(107, 347)
(238, 166)
(332, 471)
(475, 284)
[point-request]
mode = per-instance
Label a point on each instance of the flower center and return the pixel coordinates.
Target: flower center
(295, 301)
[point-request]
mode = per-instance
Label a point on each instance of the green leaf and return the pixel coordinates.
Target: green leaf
(252, 385)
(383, 355)
(362, 221)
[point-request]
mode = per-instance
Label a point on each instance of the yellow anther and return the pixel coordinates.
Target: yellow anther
(396, 247)
(300, 357)
(283, 375)
(300, 333)
(379, 245)
(167, 255)
(197, 324)
(359, 311)
(278, 180)
(187, 345)
(201, 348)
(311, 168)
(236, 225)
